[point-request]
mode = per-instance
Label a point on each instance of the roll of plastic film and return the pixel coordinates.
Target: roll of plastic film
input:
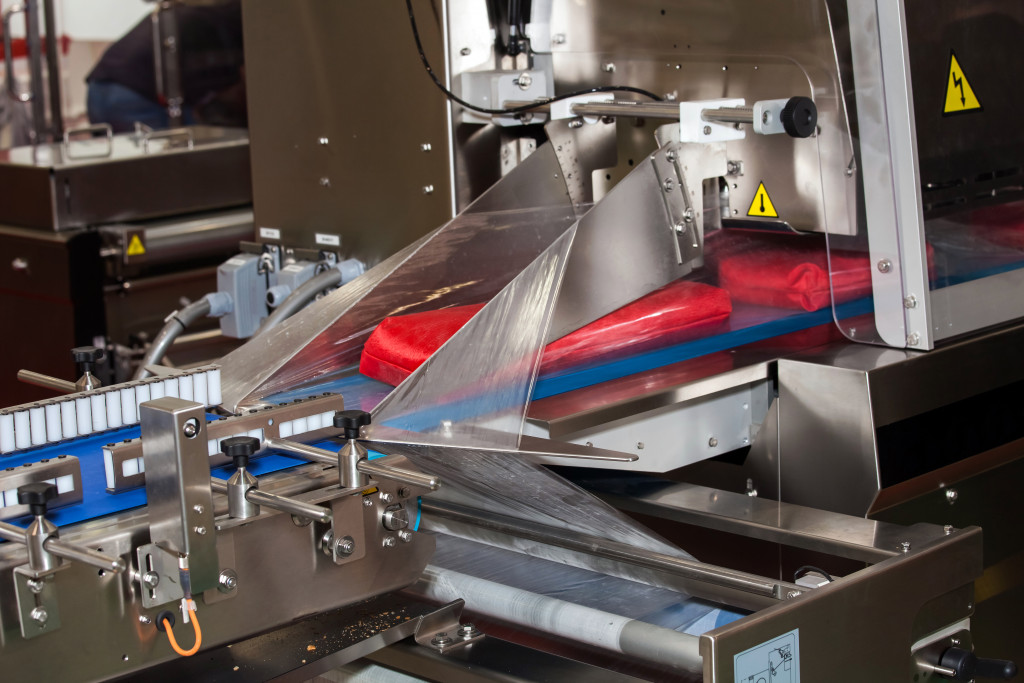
(6, 432)
(83, 413)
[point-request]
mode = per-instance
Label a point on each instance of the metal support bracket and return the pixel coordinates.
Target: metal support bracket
(443, 631)
(158, 576)
(37, 602)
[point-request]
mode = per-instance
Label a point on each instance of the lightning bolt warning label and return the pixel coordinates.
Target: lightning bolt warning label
(960, 97)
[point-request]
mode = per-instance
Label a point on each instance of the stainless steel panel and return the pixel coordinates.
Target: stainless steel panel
(345, 144)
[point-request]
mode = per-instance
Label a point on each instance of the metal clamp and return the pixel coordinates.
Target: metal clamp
(12, 86)
(104, 128)
(170, 134)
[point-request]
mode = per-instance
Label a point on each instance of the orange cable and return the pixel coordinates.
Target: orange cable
(195, 626)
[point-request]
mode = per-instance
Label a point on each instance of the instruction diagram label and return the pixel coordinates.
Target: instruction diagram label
(762, 206)
(775, 661)
(960, 96)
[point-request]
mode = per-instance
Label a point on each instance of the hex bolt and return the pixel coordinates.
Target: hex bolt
(389, 542)
(952, 495)
(884, 266)
(151, 579)
(576, 123)
(905, 546)
(39, 615)
(367, 502)
(404, 492)
(143, 619)
(200, 530)
(948, 529)
(35, 585)
(405, 536)
(198, 509)
(386, 497)
(668, 185)
(441, 639)
(227, 581)
(345, 545)
(468, 631)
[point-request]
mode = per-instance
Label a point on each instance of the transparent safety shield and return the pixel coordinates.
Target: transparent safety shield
(940, 170)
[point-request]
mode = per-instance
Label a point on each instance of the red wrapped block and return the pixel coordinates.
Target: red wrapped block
(678, 312)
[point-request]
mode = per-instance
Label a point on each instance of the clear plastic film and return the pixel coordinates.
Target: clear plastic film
(474, 390)
(468, 260)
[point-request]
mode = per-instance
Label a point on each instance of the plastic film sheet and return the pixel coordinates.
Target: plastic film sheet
(468, 260)
(475, 389)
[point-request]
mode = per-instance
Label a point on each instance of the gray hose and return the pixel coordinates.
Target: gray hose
(302, 295)
(178, 323)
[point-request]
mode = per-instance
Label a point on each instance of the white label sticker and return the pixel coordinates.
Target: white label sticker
(270, 233)
(774, 661)
(328, 240)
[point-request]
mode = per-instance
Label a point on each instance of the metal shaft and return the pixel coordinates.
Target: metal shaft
(621, 552)
(301, 450)
(53, 69)
(40, 380)
(35, 67)
(317, 513)
(729, 115)
(68, 551)
(380, 470)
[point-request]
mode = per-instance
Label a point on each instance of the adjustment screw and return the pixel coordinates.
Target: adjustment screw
(441, 639)
(345, 546)
(39, 615)
(151, 579)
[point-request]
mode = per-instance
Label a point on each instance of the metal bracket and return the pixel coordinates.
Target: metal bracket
(37, 602)
(681, 169)
(442, 630)
(158, 576)
(64, 472)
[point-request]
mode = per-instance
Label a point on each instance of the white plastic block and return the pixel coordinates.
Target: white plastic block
(129, 406)
(108, 467)
(38, 425)
(7, 433)
(185, 387)
(99, 410)
(22, 429)
(171, 387)
(130, 467)
(157, 390)
(52, 422)
(142, 394)
(65, 484)
(199, 388)
(69, 419)
(213, 397)
(83, 411)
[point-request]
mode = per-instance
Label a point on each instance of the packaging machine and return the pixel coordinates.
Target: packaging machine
(709, 372)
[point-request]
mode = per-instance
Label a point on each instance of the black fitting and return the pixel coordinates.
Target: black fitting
(351, 421)
(164, 614)
(36, 495)
(969, 666)
(799, 117)
(86, 357)
(240, 449)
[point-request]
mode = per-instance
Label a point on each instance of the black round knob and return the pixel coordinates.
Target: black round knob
(36, 495)
(240, 449)
(799, 117)
(969, 666)
(351, 421)
(87, 356)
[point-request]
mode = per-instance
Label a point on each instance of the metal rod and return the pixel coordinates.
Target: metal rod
(84, 555)
(599, 547)
(53, 70)
(317, 513)
(35, 68)
(68, 551)
(40, 380)
(301, 450)
(381, 470)
(729, 115)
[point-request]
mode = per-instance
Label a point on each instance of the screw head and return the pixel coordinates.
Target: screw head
(668, 185)
(345, 545)
(428, 189)
(913, 339)
(426, 147)
(39, 615)
(405, 536)
(468, 631)
(441, 639)
(707, 130)
(952, 495)
(325, 181)
(389, 542)
(905, 546)
(367, 502)
(948, 529)
(190, 429)
(36, 585)
(200, 530)
(465, 52)
(576, 123)
(143, 619)
(608, 67)
(884, 266)
(524, 81)
(910, 301)
(558, 39)
(712, 442)
(151, 579)
(198, 509)
(323, 140)
(227, 581)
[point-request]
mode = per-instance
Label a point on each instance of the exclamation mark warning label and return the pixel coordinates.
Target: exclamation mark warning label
(762, 206)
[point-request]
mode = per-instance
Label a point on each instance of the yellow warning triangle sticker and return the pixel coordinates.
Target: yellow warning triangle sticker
(960, 97)
(762, 204)
(135, 247)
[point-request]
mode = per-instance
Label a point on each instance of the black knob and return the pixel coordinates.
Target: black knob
(86, 357)
(969, 666)
(36, 495)
(799, 117)
(351, 421)
(240, 449)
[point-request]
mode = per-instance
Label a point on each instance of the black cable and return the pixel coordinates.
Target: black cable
(512, 110)
(810, 568)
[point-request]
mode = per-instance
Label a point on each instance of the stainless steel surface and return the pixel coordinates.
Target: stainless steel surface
(918, 601)
(291, 506)
(382, 470)
(40, 380)
(371, 158)
(239, 505)
(178, 494)
(69, 187)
